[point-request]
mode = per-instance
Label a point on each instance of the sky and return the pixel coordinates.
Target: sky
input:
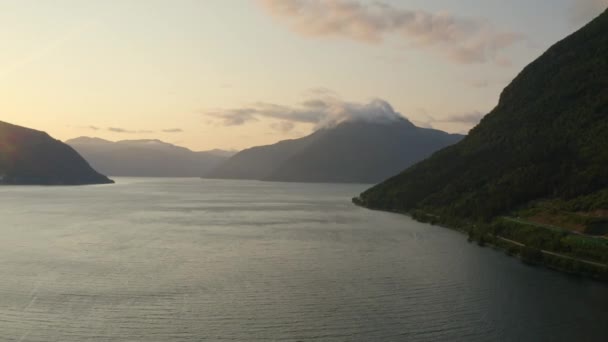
(231, 74)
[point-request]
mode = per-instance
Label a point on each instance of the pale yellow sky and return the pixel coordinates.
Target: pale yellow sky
(131, 69)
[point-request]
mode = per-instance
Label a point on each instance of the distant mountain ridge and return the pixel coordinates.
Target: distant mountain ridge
(146, 157)
(356, 151)
(29, 156)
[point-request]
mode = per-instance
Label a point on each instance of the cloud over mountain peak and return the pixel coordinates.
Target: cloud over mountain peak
(322, 111)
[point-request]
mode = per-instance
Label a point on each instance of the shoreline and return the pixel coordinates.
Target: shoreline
(531, 255)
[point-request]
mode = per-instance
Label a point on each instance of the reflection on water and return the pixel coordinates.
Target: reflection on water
(193, 260)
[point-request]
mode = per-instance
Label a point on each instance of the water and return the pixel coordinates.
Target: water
(202, 260)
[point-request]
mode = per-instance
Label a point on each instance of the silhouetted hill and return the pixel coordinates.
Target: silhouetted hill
(146, 158)
(259, 162)
(28, 156)
(546, 139)
(353, 151)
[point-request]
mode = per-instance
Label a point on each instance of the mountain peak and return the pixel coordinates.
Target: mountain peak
(87, 140)
(355, 151)
(378, 121)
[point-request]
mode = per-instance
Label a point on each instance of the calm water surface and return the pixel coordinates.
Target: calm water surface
(202, 260)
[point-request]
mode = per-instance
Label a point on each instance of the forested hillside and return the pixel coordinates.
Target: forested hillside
(547, 140)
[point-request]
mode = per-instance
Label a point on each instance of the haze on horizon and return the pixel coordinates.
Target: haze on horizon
(234, 74)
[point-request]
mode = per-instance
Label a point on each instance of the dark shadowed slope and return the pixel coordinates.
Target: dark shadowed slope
(362, 152)
(146, 158)
(546, 139)
(259, 162)
(353, 152)
(32, 157)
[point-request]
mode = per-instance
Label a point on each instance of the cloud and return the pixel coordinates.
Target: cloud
(234, 117)
(283, 126)
(320, 91)
(585, 10)
(459, 39)
(94, 128)
(469, 119)
(127, 131)
(172, 130)
(466, 118)
(119, 130)
(321, 111)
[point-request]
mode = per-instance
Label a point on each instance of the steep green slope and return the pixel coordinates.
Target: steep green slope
(546, 139)
(32, 157)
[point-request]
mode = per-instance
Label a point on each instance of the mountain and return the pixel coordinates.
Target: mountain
(28, 156)
(544, 146)
(221, 153)
(146, 158)
(259, 162)
(351, 152)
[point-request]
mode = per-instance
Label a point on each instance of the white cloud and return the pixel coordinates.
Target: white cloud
(321, 111)
(461, 40)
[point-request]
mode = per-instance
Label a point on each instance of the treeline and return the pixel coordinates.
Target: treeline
(579, 251)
